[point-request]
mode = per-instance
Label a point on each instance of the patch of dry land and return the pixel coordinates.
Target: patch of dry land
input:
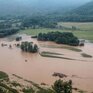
(39, 67)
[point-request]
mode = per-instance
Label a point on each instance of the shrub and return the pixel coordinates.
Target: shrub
(3, 75)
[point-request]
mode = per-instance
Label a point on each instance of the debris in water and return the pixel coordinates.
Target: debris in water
(60, 75)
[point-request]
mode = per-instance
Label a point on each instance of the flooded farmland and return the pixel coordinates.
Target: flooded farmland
(40, 69)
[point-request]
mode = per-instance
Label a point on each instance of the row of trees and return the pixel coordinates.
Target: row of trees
(59, 37)
(29, 47)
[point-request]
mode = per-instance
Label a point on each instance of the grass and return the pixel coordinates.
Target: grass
(64, 47)
(73, 49)
(52, 53)
(54, 56)
(37, 31)
(86, 55)
(88, 35)
(87, 26)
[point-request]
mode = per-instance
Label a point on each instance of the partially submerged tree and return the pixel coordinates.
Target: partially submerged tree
(60, 38)
(29, 47)
(62, 87)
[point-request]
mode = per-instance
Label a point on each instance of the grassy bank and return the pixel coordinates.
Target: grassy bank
(51, 53)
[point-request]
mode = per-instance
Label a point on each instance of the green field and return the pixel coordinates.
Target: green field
(82, 34)
(88, 35)
(87, 26)
(37, 31)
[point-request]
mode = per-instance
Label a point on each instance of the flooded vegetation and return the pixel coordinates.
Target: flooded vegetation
(40, 69)
(60, 38)
(46, 46)
(9, 86)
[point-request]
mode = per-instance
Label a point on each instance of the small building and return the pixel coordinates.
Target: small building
(81, 42)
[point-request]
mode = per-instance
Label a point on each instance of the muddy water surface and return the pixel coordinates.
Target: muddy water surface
(40, 69)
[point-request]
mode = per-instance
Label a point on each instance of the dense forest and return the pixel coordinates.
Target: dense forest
(60, 38)
(36, 7)
(83, 13)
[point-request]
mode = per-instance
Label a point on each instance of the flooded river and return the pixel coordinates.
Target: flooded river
(40, 69)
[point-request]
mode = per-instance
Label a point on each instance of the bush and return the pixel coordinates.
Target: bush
(45, 91)
(28, 90)
(3, 75)
(62, 87)
(18, 38)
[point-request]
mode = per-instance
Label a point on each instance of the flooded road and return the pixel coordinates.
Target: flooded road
(40, 69)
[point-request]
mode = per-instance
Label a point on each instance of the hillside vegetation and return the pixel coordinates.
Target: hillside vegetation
(83, 13)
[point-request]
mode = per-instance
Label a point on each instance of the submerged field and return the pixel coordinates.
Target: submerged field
(54, 58)
(85, 30)
(38, 68)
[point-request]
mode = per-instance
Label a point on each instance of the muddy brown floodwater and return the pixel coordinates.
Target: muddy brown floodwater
(40, 69)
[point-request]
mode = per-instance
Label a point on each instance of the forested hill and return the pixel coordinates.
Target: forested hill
(86, 10)
(28, 7)
(55, 10)
(83, 13)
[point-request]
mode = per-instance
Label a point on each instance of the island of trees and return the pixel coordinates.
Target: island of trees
(59, 37)
(29, 47)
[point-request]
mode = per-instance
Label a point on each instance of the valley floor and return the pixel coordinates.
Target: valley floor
(40, 69)
(83, 30)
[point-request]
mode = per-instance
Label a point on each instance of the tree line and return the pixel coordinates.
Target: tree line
(9, 31)
(59, 37)
(38, 21)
